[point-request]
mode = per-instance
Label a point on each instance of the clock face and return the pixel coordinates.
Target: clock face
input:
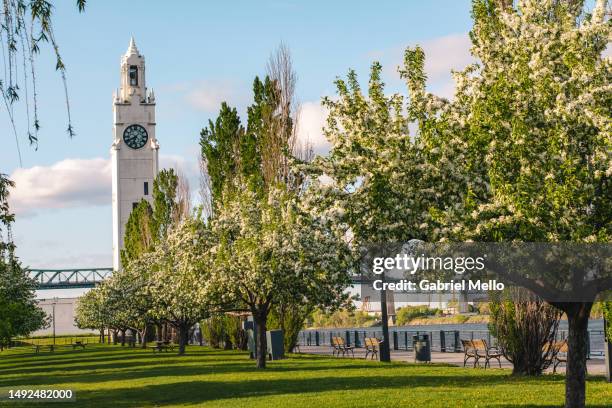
(135, 136)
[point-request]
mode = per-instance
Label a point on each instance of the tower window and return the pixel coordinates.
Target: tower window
(133, 75)
(146, 188)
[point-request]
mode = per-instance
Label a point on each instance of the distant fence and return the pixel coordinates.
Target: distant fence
(440, 340)
(59, 340)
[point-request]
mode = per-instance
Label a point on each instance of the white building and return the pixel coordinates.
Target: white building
(134, 152)
(61, 312)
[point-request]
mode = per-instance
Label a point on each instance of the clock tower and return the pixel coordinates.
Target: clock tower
(134, 152)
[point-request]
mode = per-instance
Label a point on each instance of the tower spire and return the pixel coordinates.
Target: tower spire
(132, 47)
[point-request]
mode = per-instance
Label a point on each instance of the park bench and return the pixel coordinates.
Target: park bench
(38, 347)
(479, 349)
(372, 344)
(560, 357)
(340, 346)
(469, 351)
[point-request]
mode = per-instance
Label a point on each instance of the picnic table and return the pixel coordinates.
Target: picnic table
(78, 343)
(162, 346)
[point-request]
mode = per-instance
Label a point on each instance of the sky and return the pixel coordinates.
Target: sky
(198, 54)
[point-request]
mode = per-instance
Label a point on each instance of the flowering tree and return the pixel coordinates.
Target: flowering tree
(380, 183)
(130, 300)
(529, 125)
(178, 277)
(90, 312)
(269, 250)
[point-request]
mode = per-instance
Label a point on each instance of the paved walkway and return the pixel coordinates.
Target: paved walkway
(595, 365)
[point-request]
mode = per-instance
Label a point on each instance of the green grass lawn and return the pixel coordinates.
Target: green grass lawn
(112, 376)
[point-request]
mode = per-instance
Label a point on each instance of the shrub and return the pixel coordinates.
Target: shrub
(483, 308)
(408, 313)
(342, 318)
(234, 335)
(213, 330)
(290, 319)
(525, 327)
(224, 330)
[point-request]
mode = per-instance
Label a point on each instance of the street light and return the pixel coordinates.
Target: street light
(53, 304)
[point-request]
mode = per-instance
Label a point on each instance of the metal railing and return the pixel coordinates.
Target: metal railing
(440, 340)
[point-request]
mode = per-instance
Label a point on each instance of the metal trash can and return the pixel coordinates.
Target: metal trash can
(276, 347)
(422, 348)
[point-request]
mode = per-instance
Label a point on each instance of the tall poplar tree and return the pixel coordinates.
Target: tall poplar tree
(139, 234)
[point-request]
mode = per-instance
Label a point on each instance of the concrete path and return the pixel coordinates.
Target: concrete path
(595, 366)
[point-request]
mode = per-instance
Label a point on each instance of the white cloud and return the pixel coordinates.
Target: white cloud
(207, 95)
(311, 120)
(446, 53)
(188, 166)
(442, 54)
(68, 183)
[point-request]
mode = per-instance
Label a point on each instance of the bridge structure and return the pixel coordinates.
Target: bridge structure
(77, 278)
(80, 278)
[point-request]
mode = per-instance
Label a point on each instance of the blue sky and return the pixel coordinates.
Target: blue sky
(197, 54)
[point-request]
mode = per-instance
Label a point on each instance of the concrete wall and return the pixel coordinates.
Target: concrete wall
(64, 317)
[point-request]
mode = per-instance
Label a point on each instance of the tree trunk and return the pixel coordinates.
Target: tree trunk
(575, 378)
(158, 331)
(102, 335)
(122, 338)
(143, 337)
(385, 347)
(261, 341)
(115, 337)
(183, 337)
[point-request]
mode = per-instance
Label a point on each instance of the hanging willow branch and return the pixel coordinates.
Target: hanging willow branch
(24, 27)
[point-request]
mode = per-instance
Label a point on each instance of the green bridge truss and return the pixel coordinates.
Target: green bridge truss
(69, 278)
(80, 278)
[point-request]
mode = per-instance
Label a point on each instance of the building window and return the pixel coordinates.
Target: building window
(134, 205)
(146, 188)
(133, 75)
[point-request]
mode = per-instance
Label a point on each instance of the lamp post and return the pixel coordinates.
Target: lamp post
(607, 350)
(385, 350)
(53, 304)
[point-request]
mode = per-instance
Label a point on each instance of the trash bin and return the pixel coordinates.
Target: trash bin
(276, 348)
(422, 349)
(251, 344)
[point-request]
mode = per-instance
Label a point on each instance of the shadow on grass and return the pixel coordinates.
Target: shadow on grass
(140, 370)
(196, 392)
(136, 372)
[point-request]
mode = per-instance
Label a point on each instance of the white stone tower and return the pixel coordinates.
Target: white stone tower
(134, 152)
